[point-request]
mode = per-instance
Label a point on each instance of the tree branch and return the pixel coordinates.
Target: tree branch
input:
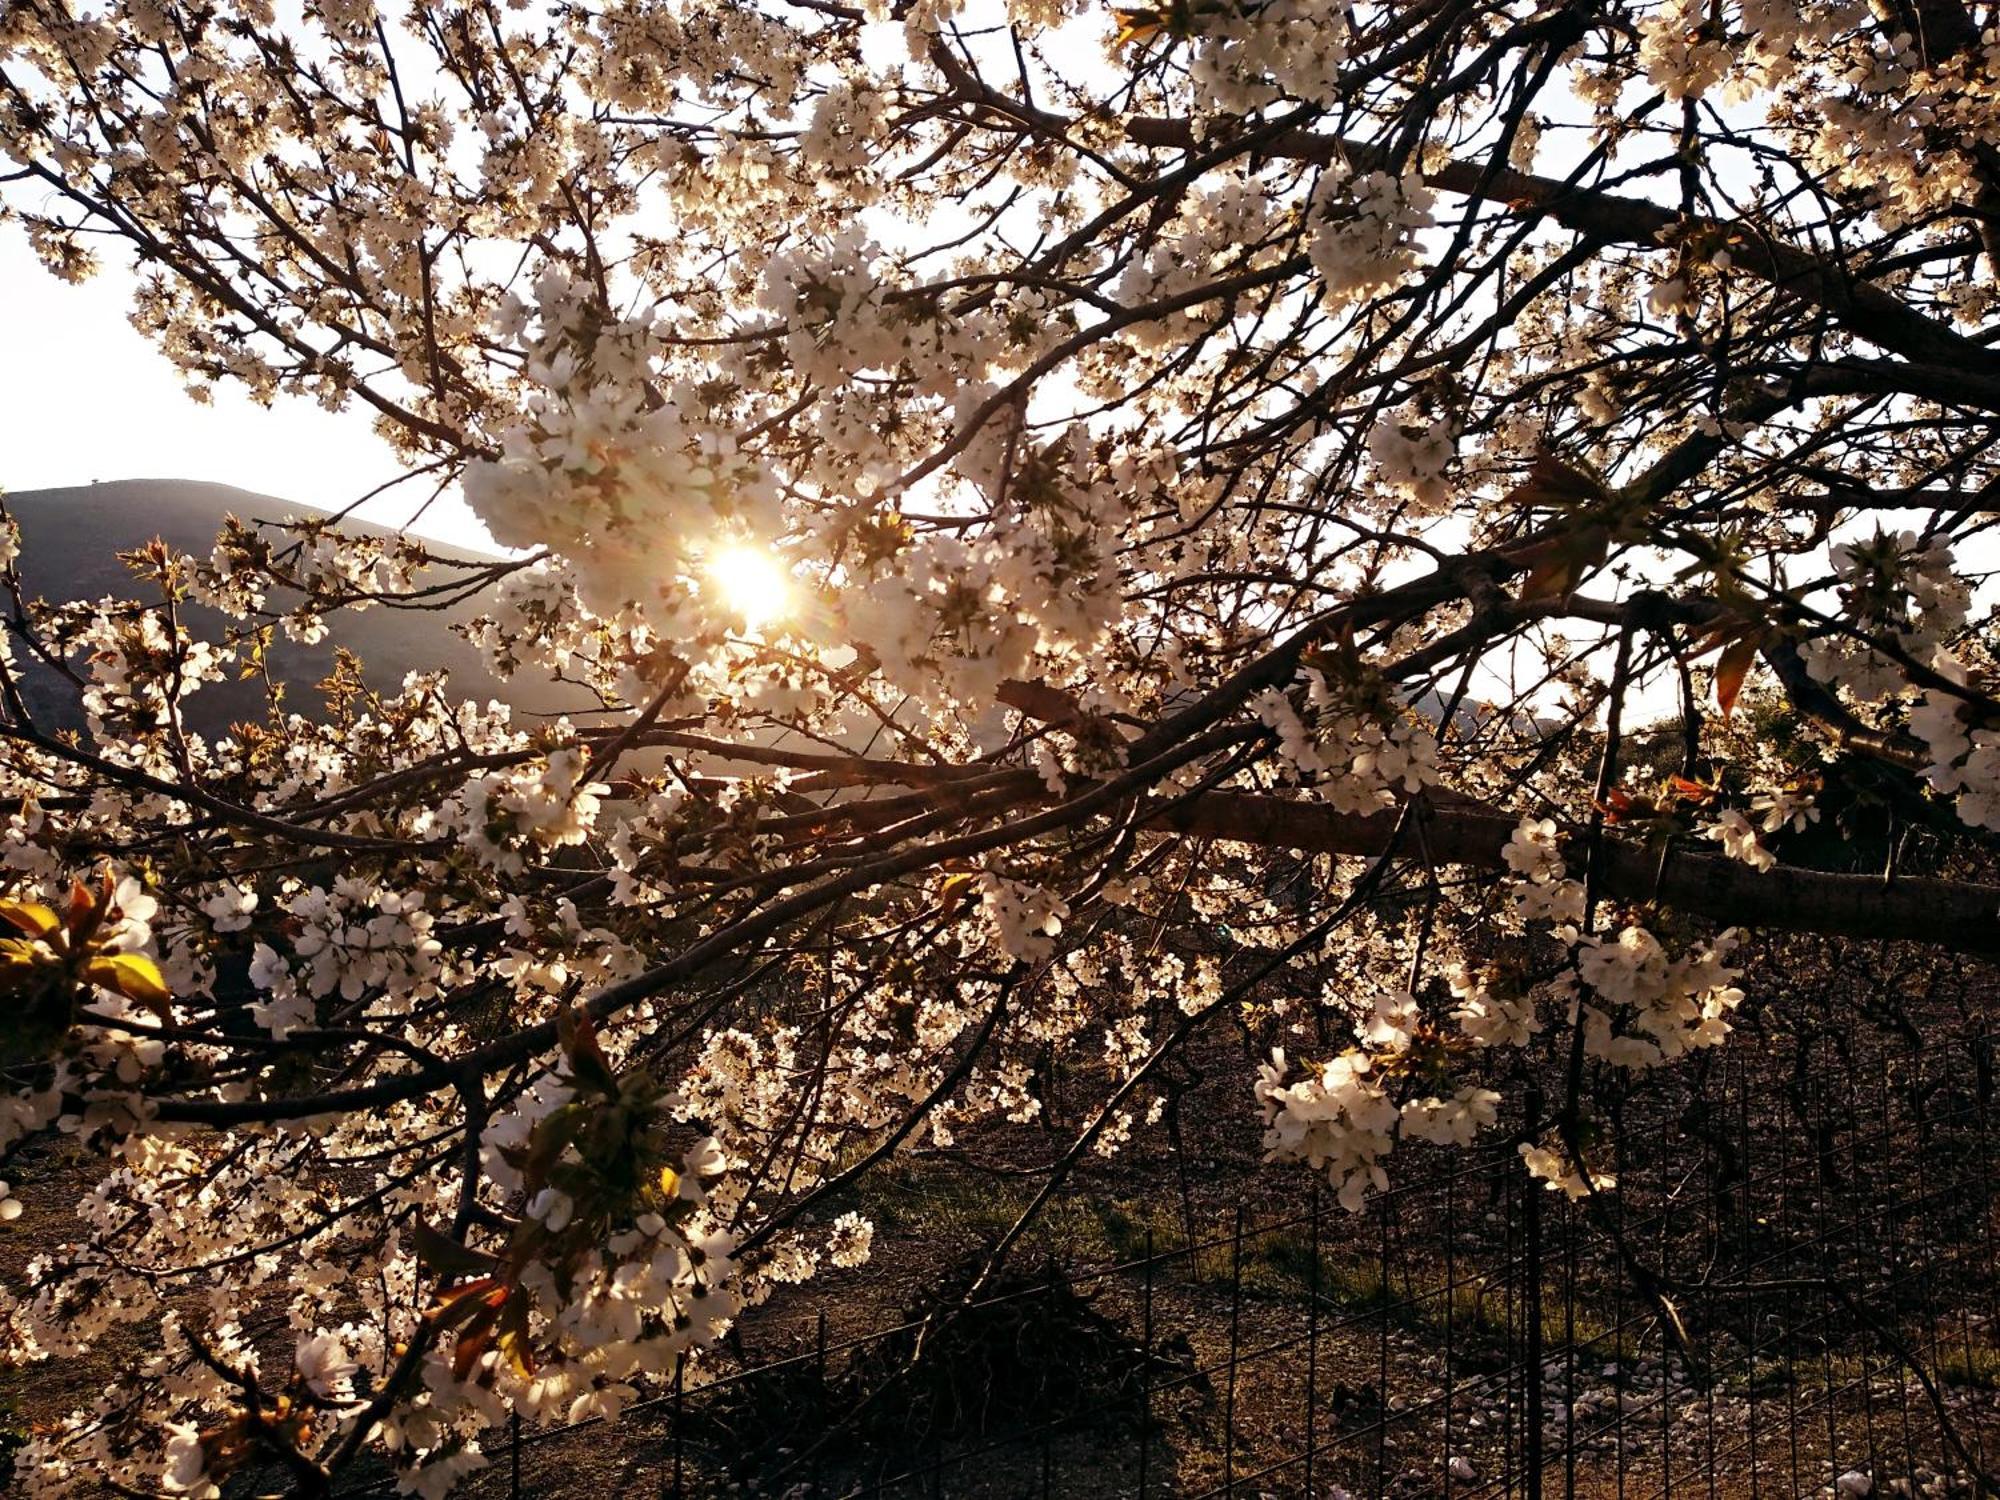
(1951, 914)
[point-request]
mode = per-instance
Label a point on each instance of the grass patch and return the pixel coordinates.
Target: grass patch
(1473, 1309)
(1972, 1368)
(957, 1207)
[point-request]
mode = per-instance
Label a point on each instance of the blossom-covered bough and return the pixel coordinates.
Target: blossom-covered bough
(1232, 492)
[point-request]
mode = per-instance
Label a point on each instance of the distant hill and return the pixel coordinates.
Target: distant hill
(70, 541)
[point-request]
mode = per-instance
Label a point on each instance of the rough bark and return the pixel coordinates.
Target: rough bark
(1951, 914)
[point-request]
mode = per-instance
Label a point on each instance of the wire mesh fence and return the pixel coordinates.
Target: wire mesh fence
(1791, 1291)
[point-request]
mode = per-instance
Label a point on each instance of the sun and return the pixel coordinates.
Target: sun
(750, 582)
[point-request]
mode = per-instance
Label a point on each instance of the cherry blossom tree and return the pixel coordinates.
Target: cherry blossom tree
(1424, 531)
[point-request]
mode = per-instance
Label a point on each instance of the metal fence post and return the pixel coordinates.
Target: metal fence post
(822, 1404)
(1382, 1301)
(1531, 1313)
(1048, 1422)
(1235, 1324)
(680, 1427)
(1146, 1365)
(1312, 1343)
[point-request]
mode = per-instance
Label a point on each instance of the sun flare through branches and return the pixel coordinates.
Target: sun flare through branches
(750, 582)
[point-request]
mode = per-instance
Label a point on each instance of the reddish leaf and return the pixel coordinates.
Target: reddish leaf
(79, 904)
(467, 1302)
(1556, 566)
(586, 1055)
(472, 1343)
(1621, 807)
(1730, 670)
(1551, 483)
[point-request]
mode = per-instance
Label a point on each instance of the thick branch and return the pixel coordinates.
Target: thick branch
(1951, 914)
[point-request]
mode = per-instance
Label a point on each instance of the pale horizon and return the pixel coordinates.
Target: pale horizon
(95, 401)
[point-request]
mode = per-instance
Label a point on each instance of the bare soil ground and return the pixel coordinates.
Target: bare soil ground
(1395, 1346)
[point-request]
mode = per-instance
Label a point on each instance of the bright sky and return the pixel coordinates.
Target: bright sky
(84, 396)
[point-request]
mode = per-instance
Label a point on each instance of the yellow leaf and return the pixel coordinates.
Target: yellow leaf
(513, 1339)
(1136, 25)
(1177, 18)
(670, 1182)
(31, 917)
(19, 964)
(132, 975)
(514, 1345)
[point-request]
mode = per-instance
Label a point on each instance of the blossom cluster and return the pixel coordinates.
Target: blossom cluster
(1193, 470)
